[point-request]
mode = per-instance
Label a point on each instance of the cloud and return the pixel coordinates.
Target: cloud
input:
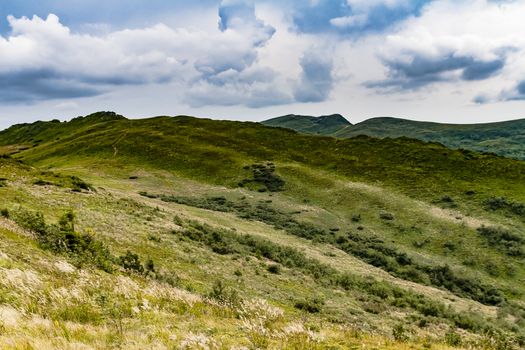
(316, 81)
(237, 78)
(41, 84)
(43, 59)
(354, 18)
(517, 93)
(423, 51)
(479, 70)
(239, 15)
(420, 70)
(254, 87)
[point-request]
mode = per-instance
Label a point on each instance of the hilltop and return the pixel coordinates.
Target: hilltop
(502, 138)
(177, 231)
(323, 125)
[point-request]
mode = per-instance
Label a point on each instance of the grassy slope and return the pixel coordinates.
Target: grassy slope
(503, 138)
(323, 125)
(190, 157)
(46, 302)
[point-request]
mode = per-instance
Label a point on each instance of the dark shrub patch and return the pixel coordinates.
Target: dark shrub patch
(78, 185)
(508, 242)
(131, 262)
(264, 175)
(223, 294)
(502, 203)
(62, 239)
(274, 268)
(41, 182)
(311, 305)
(386, 216)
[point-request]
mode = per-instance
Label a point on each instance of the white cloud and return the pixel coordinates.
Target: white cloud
(451, 40)
(47, 60)
(349, 21)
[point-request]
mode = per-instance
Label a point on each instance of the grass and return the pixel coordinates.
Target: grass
(198, 251)
(503, 138)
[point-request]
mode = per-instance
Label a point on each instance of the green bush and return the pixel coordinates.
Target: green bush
(452, 338)
(131, 262)
(310, 305)
(40, 182)
(274, 268)
(400, 333)
(510, 243)
(62, 239)
(502, 203)
(386, 216)
(223, 294)
(264, 175)
(78, 185)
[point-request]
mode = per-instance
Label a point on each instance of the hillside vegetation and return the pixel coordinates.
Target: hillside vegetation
(178, 232)
(323, 125)
(503, 138)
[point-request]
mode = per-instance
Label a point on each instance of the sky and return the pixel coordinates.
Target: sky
(460, 61)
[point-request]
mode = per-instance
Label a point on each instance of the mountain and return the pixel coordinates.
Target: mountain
(502, 138)
(179, 232)
(323, 125)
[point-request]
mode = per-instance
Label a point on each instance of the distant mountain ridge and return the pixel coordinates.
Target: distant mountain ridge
(502, 138)
(322, 125)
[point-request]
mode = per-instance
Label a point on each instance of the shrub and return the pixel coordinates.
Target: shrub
(447, 199)
(148, 195)
(4, 213)
(400, 333)
(223, 294)
(150, 266)
(62, 239)
(508, 242)
(264, 175)
(310, 305)
(274, 268)
(386, 216)
(40, 182)
(154, 238)
(452, 338)
(78, 184)
(131, 262)
(498, 203)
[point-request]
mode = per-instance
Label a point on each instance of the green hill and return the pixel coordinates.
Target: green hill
(171, 232)
(503, 138)
(323, 125)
